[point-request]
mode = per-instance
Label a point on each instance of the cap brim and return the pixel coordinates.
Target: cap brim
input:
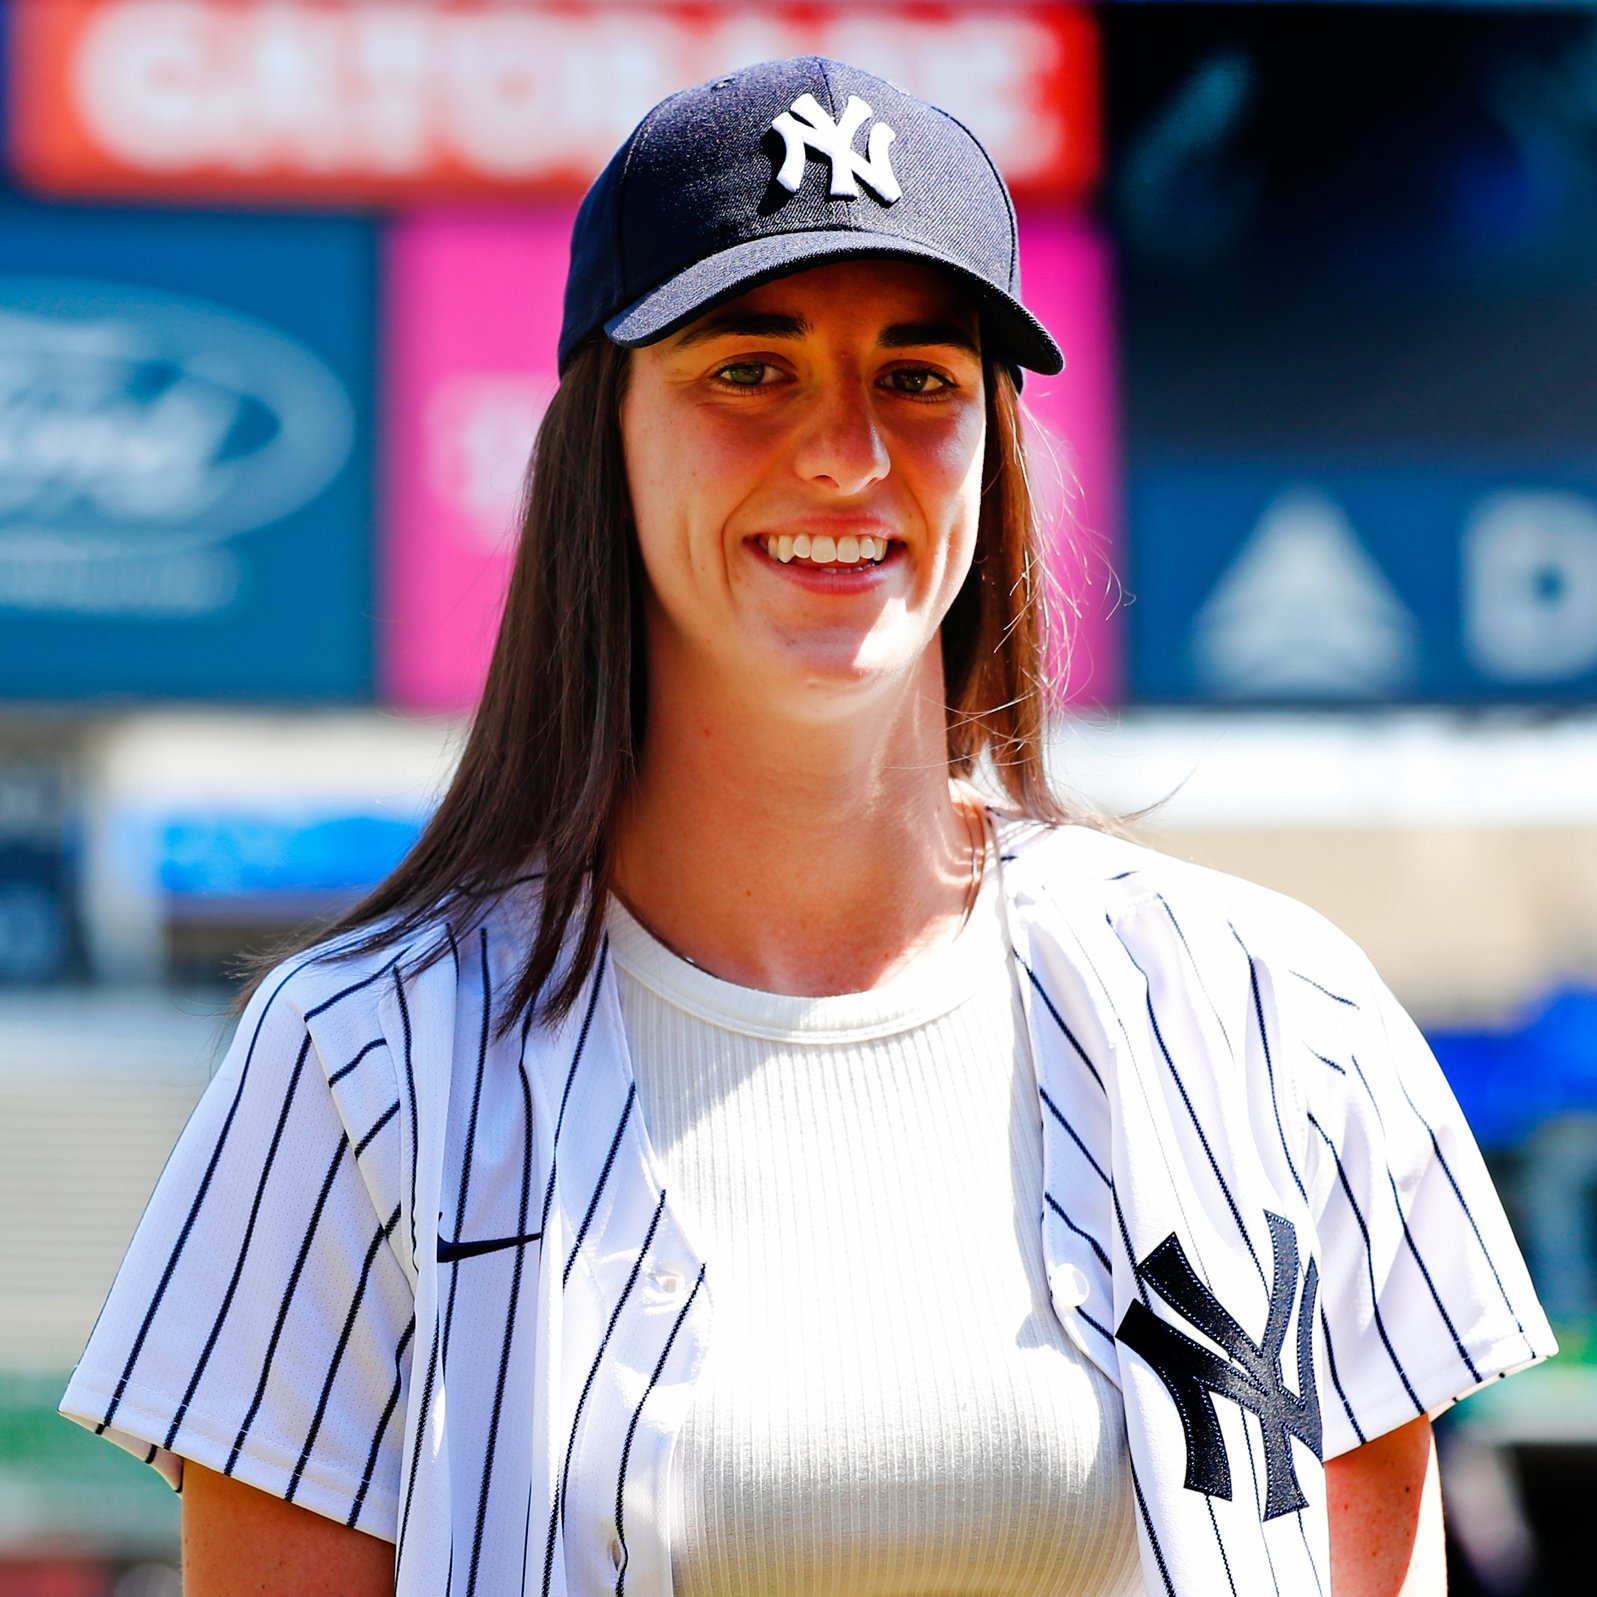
(1018, 335)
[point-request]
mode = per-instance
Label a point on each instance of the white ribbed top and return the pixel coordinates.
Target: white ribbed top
(889, 1404)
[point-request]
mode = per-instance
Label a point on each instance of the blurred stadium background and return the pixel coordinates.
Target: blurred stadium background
(278, 294)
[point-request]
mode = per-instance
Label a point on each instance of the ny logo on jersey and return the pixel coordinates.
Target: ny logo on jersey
(808, 127)
(1250, 1375)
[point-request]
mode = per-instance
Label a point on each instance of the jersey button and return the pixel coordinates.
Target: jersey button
(615, 1551)
(668, 1281)
(1068, 1286)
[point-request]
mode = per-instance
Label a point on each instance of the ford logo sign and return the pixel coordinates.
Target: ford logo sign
(138, 426)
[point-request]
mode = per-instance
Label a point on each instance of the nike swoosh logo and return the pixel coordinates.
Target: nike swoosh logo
(449, 1251)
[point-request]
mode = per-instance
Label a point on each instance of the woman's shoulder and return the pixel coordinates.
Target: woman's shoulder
(1085, 871)
(357, 971)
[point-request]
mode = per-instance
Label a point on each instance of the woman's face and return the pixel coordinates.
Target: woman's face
(805, 466)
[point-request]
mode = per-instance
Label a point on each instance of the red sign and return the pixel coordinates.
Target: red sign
(360, 101)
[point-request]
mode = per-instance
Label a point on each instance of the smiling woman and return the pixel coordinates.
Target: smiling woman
(1077, 1223)
(922, 379)
(833, 430)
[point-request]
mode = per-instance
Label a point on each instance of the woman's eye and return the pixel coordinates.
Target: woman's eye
(744, 373)
(916, 380)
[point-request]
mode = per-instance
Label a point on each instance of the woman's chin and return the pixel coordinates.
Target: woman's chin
(825, 681)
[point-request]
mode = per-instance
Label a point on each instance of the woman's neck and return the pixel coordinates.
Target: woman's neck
(795, 855)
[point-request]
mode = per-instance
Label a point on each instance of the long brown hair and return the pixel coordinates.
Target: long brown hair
(555, 740)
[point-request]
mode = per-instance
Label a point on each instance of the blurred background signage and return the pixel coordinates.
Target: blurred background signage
(360, 100)
(184, 454)
(1260, 584)
(1073, 442)
(473, 307)
(1359, 350)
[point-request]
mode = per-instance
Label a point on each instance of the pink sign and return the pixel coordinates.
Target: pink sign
(1072, 439)
(473, 307)
(473, 318)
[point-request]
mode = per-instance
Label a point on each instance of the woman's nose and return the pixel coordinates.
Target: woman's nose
(841, 446)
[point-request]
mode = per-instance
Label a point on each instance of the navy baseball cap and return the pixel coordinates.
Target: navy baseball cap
(781, 166)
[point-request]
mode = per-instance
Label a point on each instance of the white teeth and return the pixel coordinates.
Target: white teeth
(823, 550)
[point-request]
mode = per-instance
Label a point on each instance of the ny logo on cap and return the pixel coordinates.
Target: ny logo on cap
(808, 127)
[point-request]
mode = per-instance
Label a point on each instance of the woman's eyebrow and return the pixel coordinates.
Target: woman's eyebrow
(743, 324)
(782, 324)
(908, 335)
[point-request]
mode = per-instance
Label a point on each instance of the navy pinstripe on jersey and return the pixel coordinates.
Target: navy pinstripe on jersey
(421, 1274)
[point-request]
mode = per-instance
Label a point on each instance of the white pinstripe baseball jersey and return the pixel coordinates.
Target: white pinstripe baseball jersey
(427, 1281)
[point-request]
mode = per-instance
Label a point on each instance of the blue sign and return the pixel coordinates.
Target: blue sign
(185, 456)
(1258, 584)
(232, 855)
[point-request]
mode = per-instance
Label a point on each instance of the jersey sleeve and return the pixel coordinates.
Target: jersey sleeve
(1424, 1296)
(262, 1318)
